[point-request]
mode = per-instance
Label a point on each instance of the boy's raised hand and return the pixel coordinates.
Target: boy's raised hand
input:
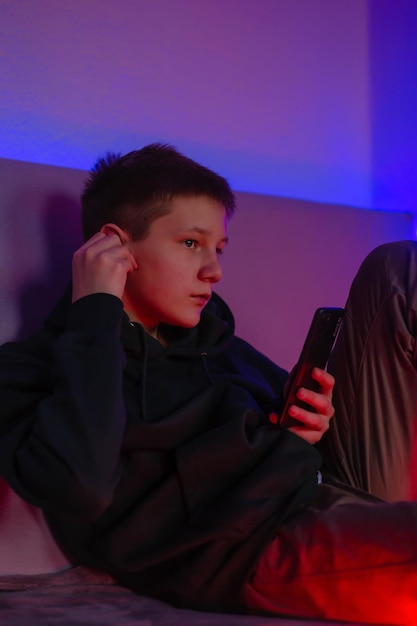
(101, 265)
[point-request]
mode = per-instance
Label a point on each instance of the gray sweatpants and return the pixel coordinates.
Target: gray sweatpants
(353, 556)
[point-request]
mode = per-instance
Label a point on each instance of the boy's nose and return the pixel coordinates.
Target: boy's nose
(212, 271)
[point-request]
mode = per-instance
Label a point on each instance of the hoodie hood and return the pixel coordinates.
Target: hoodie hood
(210, 336)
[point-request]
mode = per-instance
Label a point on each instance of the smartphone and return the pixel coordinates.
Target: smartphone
(318, 345)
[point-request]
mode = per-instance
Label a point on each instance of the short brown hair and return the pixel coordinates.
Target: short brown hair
(135, 189)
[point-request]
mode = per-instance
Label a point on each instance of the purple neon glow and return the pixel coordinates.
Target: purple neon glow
(311, 99)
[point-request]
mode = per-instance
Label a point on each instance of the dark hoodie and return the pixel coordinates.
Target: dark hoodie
(157, 464)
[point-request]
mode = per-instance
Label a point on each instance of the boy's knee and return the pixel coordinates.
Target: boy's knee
(393, 260)
(395, 250)
(389, 269)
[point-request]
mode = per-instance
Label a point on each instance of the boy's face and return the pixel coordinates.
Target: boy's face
(178, 264)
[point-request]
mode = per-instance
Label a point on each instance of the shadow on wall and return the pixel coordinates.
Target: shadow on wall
(62, 235)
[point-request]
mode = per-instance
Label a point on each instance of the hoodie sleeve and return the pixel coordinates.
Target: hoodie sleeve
(62, 419)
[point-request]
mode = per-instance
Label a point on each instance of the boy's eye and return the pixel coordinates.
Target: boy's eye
(190, 243)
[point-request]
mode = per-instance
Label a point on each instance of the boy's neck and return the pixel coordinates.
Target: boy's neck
(154, 332)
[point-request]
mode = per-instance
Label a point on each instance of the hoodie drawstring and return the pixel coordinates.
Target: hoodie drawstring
(204, 356)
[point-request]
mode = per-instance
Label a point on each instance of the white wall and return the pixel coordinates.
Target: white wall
(39, 214)
(288, 257)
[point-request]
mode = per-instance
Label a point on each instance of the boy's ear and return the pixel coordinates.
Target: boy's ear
(113, 228)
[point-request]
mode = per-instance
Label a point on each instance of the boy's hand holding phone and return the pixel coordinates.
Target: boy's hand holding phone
(311, 422)
(308, 406)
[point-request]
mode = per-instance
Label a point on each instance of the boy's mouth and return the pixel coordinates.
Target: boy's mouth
(202, 298)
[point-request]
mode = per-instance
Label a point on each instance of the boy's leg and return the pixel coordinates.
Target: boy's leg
(351, 556)
(372, 441)
(342, 559)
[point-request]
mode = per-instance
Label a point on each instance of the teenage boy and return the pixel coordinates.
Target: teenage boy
(143, 427)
